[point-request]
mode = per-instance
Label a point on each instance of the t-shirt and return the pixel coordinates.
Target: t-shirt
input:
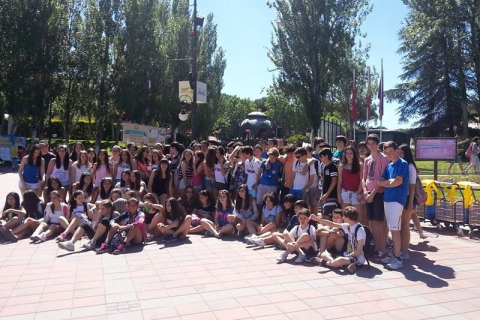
(329, 172)
(251, 168)
(205, 212)
(297, 231)
(47, 157)
(338, 154)
(373, 168)
(353, 241)
(301, 180)
(412, 175)
(271, 214)
(399, 193)
(294, 222)
(223, 214)
(270, 175)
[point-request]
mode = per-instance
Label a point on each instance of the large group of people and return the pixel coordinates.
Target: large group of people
(318, 202)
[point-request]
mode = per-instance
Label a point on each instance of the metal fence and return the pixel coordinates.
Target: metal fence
(330, 129)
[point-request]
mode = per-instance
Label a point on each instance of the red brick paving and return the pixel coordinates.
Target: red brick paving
(212, 279)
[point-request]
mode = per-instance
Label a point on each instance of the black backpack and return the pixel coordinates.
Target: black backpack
(368, 248)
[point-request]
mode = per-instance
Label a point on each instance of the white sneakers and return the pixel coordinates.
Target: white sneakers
(395, 264)
(282, 257)
(90, 245)
(258, 242)
(66, 245)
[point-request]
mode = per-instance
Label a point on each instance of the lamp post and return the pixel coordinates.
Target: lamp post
(194, 71)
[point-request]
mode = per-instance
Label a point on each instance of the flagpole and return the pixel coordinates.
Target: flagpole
(368, 106)
(382, 106)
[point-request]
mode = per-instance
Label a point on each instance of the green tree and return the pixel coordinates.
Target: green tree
(310, 38)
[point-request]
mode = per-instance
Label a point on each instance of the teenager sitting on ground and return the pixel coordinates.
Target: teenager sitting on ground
(353, 256)
(271, 218)
(175, 224)
(54, 220)
(300, 238)
(132, 222)
(30, 215)
(220, 224)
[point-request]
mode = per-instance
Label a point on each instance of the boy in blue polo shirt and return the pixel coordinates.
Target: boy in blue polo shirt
(395, 179)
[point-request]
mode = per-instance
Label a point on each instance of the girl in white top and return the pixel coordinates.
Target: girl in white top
(409, 212)
(53, 221)
(59, 166)
(80, 166)
(123, 164)
(102, 168)
(79, 211)
(125, 182)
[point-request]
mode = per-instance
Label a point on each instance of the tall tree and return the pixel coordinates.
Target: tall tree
(310, 38)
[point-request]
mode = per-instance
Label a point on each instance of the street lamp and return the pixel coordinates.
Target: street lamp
(183, 115)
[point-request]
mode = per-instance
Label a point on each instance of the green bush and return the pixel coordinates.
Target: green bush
(298, 139)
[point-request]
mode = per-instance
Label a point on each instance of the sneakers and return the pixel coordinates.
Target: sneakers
(207, 233)
(300, 258)
(103, 248)
(61, 237)
(170, 238)
(150, 237)
(395, 264)
(219, 235)
(388, 259)
(121, 249)
(249, 239)
(8, 234)
(422, 235)
(379, 255)
(90, 245)
(404, 255)
(316, 261)
(282, 257)
(42, 237)
(258, 242)
(66, 245)
(352, 267)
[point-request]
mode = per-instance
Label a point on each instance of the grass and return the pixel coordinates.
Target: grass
(426, 172)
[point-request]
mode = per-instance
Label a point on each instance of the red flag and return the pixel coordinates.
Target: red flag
(380, 95)
(369, 95)
(354, 112)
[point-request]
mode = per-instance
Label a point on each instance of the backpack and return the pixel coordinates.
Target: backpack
(118, 238)
(420, 194)
(368, 248)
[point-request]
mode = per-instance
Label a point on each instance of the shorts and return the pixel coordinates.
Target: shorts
(349, 197)
(223, 223)
(312, 196)
(414, 203)
(181, 184)
(297, 193)
(149, 218)
(393, 213)
(30, 186)
(328, 208)
(263, 190)
(457, 160)
(195, 220)
(207, 183)
(219, 186)
(376, 209)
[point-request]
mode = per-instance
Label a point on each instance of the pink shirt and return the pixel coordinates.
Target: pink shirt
(372, 171)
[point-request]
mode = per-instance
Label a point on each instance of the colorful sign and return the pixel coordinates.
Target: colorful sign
(435, 148)
(139, 133)
(185, 93)
(9, 144)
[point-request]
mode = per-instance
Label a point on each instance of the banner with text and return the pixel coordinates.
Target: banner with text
(139, 133)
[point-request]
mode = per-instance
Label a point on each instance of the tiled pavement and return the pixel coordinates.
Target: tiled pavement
(207, 278)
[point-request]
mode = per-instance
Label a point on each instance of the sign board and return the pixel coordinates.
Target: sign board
(138, 133)
(185, 93)
(9, 144)
(435, 148)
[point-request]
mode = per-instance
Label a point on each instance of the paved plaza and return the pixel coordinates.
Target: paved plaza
(206, 278)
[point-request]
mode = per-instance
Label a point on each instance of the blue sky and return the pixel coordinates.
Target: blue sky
(244, 32)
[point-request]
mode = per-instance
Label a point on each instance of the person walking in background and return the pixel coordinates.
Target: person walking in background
(458, 159)
(472, 153)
